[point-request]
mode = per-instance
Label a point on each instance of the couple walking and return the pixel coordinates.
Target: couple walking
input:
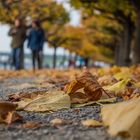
(35, 38)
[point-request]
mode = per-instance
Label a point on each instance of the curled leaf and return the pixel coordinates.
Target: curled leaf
(92, 91)
(73, 87)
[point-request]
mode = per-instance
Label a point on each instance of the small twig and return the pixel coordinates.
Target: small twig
(99, 104)
(106, 93)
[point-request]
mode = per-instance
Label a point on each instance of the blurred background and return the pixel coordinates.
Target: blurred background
(93, 33)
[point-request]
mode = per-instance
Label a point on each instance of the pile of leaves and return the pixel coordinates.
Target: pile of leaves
(83, 89)
(76, 88)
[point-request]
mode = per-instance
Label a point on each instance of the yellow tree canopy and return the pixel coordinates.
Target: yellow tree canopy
(45, 10)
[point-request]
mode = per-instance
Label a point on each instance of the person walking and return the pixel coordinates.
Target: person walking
(18, 34)
(35, 43)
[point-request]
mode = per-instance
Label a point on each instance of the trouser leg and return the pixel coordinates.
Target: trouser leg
(18, 58)
(33, 59)
(39, 59)
(22, 58)
(13, 57)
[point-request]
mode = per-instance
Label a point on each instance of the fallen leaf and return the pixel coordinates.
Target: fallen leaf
(53, 101)
(7, 112)
(107, 80)
(117, 87)
(57, 121)
(31, 125)
(130, 92)
(92, 91)
(73, 87)
(123, 75)
(112, 70)
(91, 123)
(123, 118)
(137, 85)
(9, 117)
(7, 107)
(23, 103)
(20, 95)
(78, 97)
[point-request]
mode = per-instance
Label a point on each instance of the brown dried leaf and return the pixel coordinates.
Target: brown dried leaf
(7, 113)
(73, 87)
(19, 96)
(131, 93)
(7, 107)
(31, 125)
(91, 123)
(106, 80)
(91, 86)
(92, 91)
(78, 97)
(8, 117)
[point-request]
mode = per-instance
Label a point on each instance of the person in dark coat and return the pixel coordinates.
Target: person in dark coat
(35, 43)
(18, 34)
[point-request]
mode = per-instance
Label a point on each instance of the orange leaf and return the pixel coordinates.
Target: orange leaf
(31, 124)
(7, 112)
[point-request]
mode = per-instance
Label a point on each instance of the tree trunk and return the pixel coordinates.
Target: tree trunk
(125, 45)
(120, 51)
(136, 49)
(117, 48)
(54, 57)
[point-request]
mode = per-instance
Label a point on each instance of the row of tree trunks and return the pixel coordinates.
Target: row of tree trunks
(123, 50)
(86, 60)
